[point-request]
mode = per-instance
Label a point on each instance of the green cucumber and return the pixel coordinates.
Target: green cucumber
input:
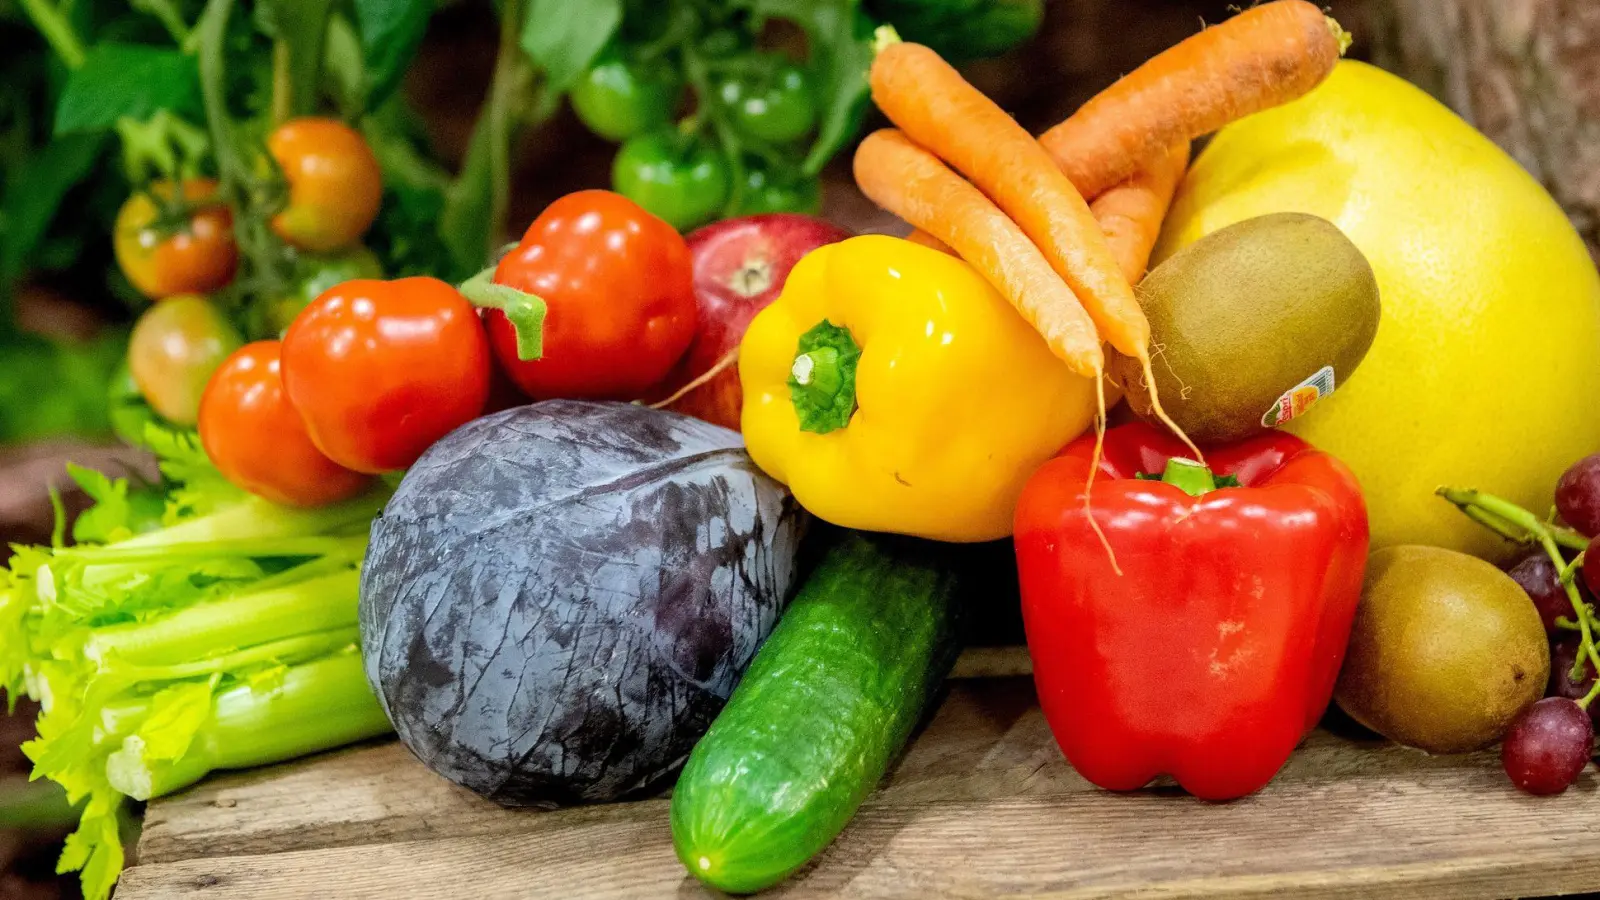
(827, 705)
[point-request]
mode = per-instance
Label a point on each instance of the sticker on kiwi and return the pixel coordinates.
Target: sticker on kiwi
(1296, 400)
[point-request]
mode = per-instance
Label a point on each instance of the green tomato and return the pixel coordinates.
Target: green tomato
(684, 183)
(618, 100)
(765, 194)
(172, 351)
(777, 109)
(317, 275)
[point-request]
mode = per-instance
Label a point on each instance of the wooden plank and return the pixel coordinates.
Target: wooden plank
(988, 741)
(982, 805)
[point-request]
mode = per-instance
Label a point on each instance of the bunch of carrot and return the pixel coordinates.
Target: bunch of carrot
(1020, 209)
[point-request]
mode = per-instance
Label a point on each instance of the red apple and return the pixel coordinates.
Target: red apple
(739, 267)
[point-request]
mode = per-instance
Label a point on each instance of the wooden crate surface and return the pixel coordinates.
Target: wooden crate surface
(982, 805)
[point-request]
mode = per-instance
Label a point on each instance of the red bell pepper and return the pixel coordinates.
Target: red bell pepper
(1215, 648)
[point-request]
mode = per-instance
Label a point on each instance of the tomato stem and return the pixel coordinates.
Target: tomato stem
(523, 310)
(166, 12)
(710, 106)
(57, 30)
(282, 81)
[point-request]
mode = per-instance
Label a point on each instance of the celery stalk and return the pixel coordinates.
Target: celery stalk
(318, 705)
(251, 617)
(226, 639)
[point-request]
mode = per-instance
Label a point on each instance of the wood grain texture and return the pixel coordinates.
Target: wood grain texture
(982, 805)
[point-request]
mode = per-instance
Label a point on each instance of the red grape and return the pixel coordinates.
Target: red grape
(1563, 654)
(1539, 577)
(1591, 565)
(1547, 746)
(1578, 496)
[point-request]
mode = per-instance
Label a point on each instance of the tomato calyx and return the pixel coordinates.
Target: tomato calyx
(523, 310)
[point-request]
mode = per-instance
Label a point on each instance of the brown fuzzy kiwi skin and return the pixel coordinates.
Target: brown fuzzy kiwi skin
(1246, 313)
(1446, 650)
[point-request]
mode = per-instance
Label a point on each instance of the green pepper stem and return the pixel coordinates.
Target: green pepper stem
(1189, 476)
(822, 378)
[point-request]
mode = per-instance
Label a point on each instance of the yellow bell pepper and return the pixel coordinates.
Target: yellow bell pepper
(892, 389)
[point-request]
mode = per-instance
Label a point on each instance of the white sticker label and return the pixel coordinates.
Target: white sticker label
(1296, 400)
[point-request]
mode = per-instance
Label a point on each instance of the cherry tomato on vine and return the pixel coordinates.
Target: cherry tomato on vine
(317, 275)
(379, 370)
(256, 439)
(335, 186)
(682, 180)
(618, 99)
(765, 194)
(193, 255)
(776, 108)
(172, 351)
(620, 310)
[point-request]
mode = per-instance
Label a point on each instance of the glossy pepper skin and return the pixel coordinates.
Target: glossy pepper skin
(952, 403)
(1216, 649)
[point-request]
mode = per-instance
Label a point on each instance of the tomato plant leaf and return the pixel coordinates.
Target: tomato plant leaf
(391, 30)
(133, 80)
(33, 194)
(839, 38)
(563, 38)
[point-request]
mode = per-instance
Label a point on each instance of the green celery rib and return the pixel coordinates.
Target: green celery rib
(257, 519)
(318, 705)
(242, 620)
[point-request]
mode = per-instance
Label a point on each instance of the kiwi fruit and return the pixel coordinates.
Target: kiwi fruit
(1446, 650)
(1251, 325)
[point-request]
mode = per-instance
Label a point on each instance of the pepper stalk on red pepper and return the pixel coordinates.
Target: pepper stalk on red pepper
(1215, 650)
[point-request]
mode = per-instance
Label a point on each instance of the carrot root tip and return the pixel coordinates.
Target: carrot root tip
(1094, 467)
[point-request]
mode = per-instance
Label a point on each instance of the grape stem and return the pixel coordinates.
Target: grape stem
(1514, 523)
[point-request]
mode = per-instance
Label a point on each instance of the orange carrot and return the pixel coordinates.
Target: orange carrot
(938, 109)
(1130, 214)
(1263, 57)
(912, 183)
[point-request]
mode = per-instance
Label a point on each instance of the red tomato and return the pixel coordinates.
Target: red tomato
(194, 257)
(256, 439)
(379, 370)
(618, 287)
(335, 186)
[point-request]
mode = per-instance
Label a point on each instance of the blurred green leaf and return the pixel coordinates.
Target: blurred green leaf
(133, 80)
(466, 223)
(391, 31)
(33, 194)
(962, 30)
(50, 388)
(563, 37)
